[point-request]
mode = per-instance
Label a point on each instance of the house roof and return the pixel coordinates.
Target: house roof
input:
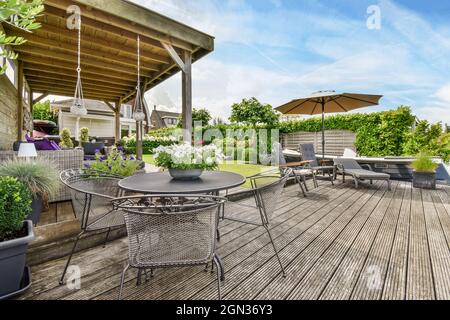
(91, 106)
(108, 49)
(161, 115)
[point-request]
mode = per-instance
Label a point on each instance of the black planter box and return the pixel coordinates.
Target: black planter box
(424, 180)
(12, 261)
(36, 209)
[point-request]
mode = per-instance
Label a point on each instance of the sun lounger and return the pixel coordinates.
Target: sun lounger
(349, 167)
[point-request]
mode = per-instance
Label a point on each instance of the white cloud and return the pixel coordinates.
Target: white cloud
(311, 50)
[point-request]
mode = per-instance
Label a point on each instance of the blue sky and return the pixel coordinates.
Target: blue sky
(277, 50)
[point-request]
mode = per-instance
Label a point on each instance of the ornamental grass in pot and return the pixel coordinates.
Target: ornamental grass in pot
(39, 176)
(424, 174)
(186, 162)
(15, 233)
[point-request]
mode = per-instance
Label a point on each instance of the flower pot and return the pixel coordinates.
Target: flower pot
(12, 261)
(36, 209)
(187, 175)
(424, 180)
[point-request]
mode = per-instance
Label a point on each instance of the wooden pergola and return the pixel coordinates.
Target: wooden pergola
(108, 53)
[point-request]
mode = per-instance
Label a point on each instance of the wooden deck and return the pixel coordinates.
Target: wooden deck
(339, 243)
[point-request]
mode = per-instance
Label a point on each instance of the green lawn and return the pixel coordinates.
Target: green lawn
(247, 170)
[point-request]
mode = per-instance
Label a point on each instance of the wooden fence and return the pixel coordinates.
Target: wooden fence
(335, 141)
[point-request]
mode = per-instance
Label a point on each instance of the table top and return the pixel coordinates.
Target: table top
(163, 183)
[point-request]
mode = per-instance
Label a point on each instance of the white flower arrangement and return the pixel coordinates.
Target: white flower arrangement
(186, 157)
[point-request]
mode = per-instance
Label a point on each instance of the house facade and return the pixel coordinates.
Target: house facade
(100, 118)
(163, 119)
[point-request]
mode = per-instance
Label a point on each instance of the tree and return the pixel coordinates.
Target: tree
(202, 115)
(21, 14)
(423, 139)
(42, 111)
(252, 112)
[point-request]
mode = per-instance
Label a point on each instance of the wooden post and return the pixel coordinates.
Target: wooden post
(187, 96)
(117, 131)
(20, 101)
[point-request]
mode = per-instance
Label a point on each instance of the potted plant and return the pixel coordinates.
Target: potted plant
(40, 177)
(15, 234)
(186, 162)
(66, 140)
(84, 135)
(424, 174)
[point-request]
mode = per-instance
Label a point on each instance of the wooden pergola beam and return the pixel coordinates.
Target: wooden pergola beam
(20, 101)
(158, 27)
(104, 27)
(54, 85)
(68, 93)
(110, 105)
(40, 98)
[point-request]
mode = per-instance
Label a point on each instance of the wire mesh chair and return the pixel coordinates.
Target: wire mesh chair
(91, 199)
(171, 231)
(267, 190)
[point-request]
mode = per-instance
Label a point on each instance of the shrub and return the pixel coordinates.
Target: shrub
(149, 143)
(424, 138)
(15, 205)
(39, 176)
(424, 163)
(66, 141)
(84, 135)
(252, 112)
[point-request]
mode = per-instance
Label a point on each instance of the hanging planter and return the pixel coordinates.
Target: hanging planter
(139, 114)
(79, 108)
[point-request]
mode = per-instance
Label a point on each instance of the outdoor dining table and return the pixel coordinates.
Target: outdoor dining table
(210, 182)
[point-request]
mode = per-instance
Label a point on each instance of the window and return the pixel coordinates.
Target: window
(26, 94)
(127, 112)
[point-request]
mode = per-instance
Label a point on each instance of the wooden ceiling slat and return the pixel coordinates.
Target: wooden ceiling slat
(68, 93)
(100, 41)
(40, 75)
(72, 88)
(86, 63)
(71, 85)
(117, 21)
(65, 68)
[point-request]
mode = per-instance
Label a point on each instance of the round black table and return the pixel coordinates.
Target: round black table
(163, 183)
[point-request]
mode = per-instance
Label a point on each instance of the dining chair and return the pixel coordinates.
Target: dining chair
(266, 190)
(167, 231)
(91, 194)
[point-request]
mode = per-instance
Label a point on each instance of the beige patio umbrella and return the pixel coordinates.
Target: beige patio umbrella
(322, 102)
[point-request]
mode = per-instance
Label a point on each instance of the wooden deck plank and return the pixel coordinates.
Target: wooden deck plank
(395, 281)
(234, 253)
(439, 253)
(64, 211)
(373, 273)
(258, 280)
(48, 216)
(420, 275)
(280, 288)
(404, 233)
(354, 239)
(230, 241)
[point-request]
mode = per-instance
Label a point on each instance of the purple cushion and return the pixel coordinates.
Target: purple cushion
(46, 145)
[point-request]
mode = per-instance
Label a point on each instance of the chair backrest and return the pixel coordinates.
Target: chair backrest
(267, 190)
(347, 164)
(309, 154)
(170, 230)
(91, 193)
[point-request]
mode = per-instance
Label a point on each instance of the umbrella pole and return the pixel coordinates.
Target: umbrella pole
(323, 129)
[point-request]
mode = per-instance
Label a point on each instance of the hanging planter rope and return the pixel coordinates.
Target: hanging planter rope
(79, 108)
(139, 114)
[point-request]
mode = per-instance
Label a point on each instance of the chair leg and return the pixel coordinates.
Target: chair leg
(356, 182)
(276, 250)
(61, 281)
(331, 178)
(299, 181)
(139, 277)
(220, 275)
(389, 185)
(304, 183)
(107, 236)
(316, 184)
(122, 280)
